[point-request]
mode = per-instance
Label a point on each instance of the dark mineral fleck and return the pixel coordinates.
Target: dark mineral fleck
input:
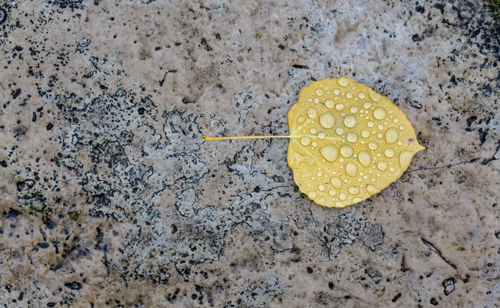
(43, 245)
(395, 298)
(3, 15)
(449, 286)
(13, 213)
(73, 285)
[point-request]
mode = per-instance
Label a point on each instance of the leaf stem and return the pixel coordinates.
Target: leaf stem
(210, 138)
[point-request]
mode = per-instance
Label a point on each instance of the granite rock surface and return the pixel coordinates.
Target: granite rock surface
(109, 196)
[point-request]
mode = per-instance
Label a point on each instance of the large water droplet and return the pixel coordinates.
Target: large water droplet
(321, 135)
(339, 107)
(346, 151)
(371, 189)
(329, 152)
(321, 187)
(339, 131)
(332, 192)
(353, 190)
(374, 95)
(343, 81)
(336, 182)
(327, 120)
(305, 141)
(312, 195)
(364, 158)
(389, 153)
(329, 103)
(350, 121)
(372, 145)
(352, 137)
(336, 91)
(319, 91)
(365, 133)
(342, 196)
(382, 165)
(405, 159)
(367, 105)
(312, 113)
(351, 169)
(391, 135)
(379, 113)
(300, 120)
(361, 95)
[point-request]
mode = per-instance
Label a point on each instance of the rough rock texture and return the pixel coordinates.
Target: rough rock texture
(110, 196)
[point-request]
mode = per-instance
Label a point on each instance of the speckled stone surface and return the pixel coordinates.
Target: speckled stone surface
(109, 196)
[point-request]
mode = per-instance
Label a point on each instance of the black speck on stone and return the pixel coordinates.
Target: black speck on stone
(482, 135)
(15, 93)
(420, 9)
(416, 104)
(49, 223)
(416, 38)
(449, 286)
(309, 270)
(43, 245)
(470, 120)
(141, 110)
(13, 213)
(395, 298)
(18, 48)
(194, 296)
(434, 301)
(330, 285)
(3, 15)
(3, 163)
(49, 126)
(440, 7)
(73, 285)
(188, 100)
(51, 304)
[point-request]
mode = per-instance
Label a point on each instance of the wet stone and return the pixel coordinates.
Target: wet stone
(108, 187)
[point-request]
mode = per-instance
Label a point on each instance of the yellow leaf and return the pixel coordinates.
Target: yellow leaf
(347, 142)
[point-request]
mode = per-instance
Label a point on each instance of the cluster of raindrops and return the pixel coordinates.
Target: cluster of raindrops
(360, 139)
